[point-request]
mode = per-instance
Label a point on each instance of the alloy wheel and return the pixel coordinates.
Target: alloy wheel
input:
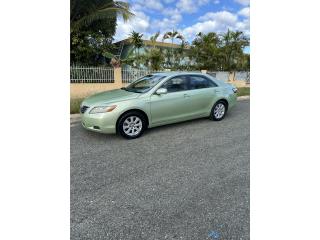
(219, 110)
(132, 126)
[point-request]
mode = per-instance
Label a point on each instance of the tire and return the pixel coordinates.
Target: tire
(218, 111)
(131, 125)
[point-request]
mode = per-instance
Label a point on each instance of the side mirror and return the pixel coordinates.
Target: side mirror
(162, 91)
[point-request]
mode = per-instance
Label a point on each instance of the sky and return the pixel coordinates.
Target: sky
(188, 17)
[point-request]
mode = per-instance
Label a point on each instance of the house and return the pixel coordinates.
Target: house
(126, 48)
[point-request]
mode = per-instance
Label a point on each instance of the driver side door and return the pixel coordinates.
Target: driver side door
(172, 106)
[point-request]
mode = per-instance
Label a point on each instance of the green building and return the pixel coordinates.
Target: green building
(126, 48)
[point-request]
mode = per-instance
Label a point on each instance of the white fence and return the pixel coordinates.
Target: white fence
(91, 74)
(131, 74)
(80, 74)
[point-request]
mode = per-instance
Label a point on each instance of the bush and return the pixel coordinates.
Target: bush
(75, 105)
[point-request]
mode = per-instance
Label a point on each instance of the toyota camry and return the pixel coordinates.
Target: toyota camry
(157, 99)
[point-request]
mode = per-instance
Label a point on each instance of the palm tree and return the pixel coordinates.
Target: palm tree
(137, 41)
(172, 36)
(205, 51)
(83, 14)
(153, 39)
(233, 44)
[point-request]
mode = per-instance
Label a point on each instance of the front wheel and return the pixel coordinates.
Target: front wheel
(131, 125)
(218, 111)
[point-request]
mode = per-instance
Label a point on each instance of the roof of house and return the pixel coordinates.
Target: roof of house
(149, 43)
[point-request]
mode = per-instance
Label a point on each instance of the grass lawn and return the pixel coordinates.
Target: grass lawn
(243, 91)
(75, 103)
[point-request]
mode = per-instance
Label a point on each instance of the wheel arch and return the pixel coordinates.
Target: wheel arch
(224, 101)
(134, 110)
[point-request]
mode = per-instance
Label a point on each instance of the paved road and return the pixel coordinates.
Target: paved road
(182, 181)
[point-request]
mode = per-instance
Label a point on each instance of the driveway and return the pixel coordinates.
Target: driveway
(182, 181)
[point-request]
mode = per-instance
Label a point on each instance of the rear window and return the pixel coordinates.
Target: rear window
(198, 82)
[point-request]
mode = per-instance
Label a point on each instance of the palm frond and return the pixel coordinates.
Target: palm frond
(105, 12)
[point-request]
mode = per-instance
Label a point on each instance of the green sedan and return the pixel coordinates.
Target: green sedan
(157, 99)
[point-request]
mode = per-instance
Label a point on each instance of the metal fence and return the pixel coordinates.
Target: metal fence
(131, 74)
(244, 76)
(91, 74)
(81, 74)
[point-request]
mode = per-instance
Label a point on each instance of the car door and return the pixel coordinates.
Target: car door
(203, 93)
(172, 106)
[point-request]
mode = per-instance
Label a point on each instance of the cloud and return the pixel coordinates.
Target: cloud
(186, 6)
(244, 12)
(150, 4)
(190, 6)
(222, 16)
(171, 18)
(243, 2)
(140, 23)
(166, 24)
(217, 22)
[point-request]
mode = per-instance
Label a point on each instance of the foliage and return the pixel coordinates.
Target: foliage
(87, 13)
(92, 27)
(75, 105)
(243, 91)
(232, 50)
(172, 36)
(155, 59)
(137, 41)
(220, 52)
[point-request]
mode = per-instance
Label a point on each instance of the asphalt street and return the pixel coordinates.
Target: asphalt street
(182, 181)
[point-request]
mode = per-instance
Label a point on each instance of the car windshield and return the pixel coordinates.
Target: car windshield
(144, 84)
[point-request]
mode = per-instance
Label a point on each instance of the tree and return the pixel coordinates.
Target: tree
(137, 41)
(153, 39)
(220, 52)
(84, 13)
(172, 36)
(92, 27)
(233, 44)
(205, 51)
(153, 57)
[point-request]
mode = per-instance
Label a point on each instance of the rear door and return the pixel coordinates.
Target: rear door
(203, 93)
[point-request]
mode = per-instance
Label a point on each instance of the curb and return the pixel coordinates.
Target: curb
(241, 98)
(75, 117)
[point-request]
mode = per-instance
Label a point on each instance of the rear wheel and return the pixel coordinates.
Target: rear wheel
(218, 111)
(131, 125)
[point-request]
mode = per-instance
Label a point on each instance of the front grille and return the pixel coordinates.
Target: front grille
(83, 109)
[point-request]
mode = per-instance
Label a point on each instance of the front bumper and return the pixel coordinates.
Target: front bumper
(100, 122)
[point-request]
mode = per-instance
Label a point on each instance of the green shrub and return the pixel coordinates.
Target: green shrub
(75, 105)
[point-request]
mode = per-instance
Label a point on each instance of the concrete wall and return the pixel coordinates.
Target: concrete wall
(81, 90)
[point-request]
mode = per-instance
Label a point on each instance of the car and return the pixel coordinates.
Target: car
(157, 99)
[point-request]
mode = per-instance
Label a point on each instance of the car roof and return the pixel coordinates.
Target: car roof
(175, 73)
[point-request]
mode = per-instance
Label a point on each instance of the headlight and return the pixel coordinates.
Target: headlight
(102, 109)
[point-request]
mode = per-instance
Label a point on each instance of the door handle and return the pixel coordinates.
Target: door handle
(186, 95)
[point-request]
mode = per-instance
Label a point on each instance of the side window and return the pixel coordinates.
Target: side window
(198, 82)
(176, 84)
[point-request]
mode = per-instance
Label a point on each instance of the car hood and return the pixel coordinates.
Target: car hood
(110, 97)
